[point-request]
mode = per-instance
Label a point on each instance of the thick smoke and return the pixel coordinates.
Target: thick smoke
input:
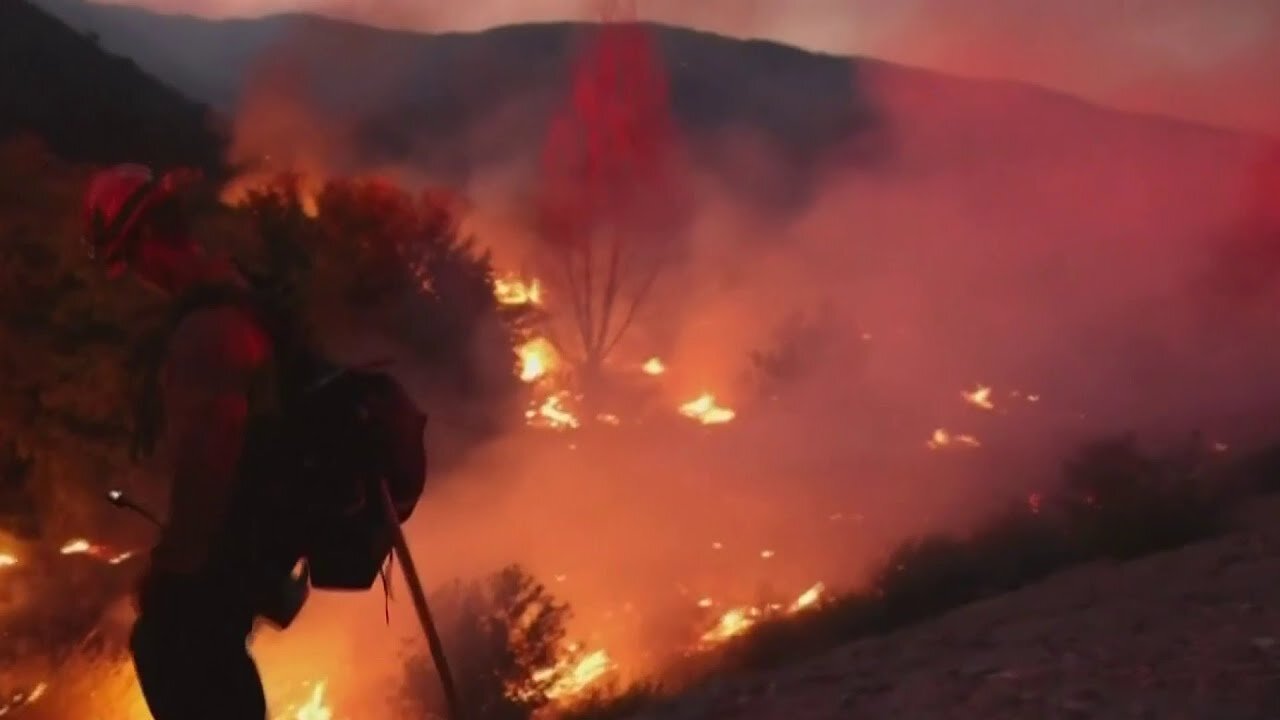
(1065, 256)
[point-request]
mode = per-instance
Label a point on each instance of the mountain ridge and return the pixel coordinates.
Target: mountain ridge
(90, 105)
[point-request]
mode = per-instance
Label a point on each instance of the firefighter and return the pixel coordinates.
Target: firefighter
(190, 641)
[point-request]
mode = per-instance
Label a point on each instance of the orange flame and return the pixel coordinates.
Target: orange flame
(238, 190)
(7, 560)
(78, 546)
(315, 707)
(809, 598)
(942, 438)
(653, 366)
(551, 413)
(511, 290)
(537, 358)
(738, 620)
(731, 624)
(704, 410)
(979, 397)
(577, 678)
(24, 698)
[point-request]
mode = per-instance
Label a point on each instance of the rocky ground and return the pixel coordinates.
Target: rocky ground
(1188, 634)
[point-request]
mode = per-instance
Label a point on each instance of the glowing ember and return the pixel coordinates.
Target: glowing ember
(739, 620)
(315, 707)
(79, 546)
(653, 366)
(37, 692)
(705, 410)
(552, 414)
(808, 598)
(1220, 447)
(537, 358)
(578, 677)
(608, 419)
(511, 290)
(20, 699)
(1033, 398)
(980, 397)
(766, 554)
(941, 438)
(7, 560)
(731, 624)
(1034, 501)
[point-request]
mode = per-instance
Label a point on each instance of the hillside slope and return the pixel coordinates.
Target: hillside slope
(88, 105)
(401, 80)
(1193, 633)
(457, 102)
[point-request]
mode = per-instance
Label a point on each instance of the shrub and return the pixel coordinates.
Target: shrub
(1120, 503)
(608, 704)
(502, 636)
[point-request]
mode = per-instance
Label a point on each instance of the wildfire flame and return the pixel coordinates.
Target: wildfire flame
(81, 546)
(237, 192)
(942, 438)
(511, 290)
(738, 620)
(537, 358)
(315, 708)
(24, 698)
(78, 546)
(979, 397)
(731, 624)
(705, 410)
(808, 598)
(653, 366)
(7, 560)
(575, 679)
(552, 414)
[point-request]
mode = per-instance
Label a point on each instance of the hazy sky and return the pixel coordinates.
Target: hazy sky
(1211, 60)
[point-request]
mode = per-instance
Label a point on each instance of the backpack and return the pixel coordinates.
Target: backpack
(330, 437)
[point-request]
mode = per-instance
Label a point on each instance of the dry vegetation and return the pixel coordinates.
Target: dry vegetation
(1116, 502)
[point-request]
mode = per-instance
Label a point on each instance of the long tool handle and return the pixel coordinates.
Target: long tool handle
(420, 604)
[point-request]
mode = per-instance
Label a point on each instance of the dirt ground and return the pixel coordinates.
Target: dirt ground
(1188, 634)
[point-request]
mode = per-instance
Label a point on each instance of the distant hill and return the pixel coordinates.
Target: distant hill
(425, 98)
(453, 103)
(88, 105)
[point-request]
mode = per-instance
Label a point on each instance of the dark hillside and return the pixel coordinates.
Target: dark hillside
(90, 106)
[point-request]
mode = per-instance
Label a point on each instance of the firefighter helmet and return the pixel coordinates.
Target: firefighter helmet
(116, 202)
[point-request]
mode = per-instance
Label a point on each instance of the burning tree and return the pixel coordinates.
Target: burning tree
(609, 208)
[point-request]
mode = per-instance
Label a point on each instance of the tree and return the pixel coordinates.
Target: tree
(610, 206)
(370, 262)
(505, 641)
(65, 340)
